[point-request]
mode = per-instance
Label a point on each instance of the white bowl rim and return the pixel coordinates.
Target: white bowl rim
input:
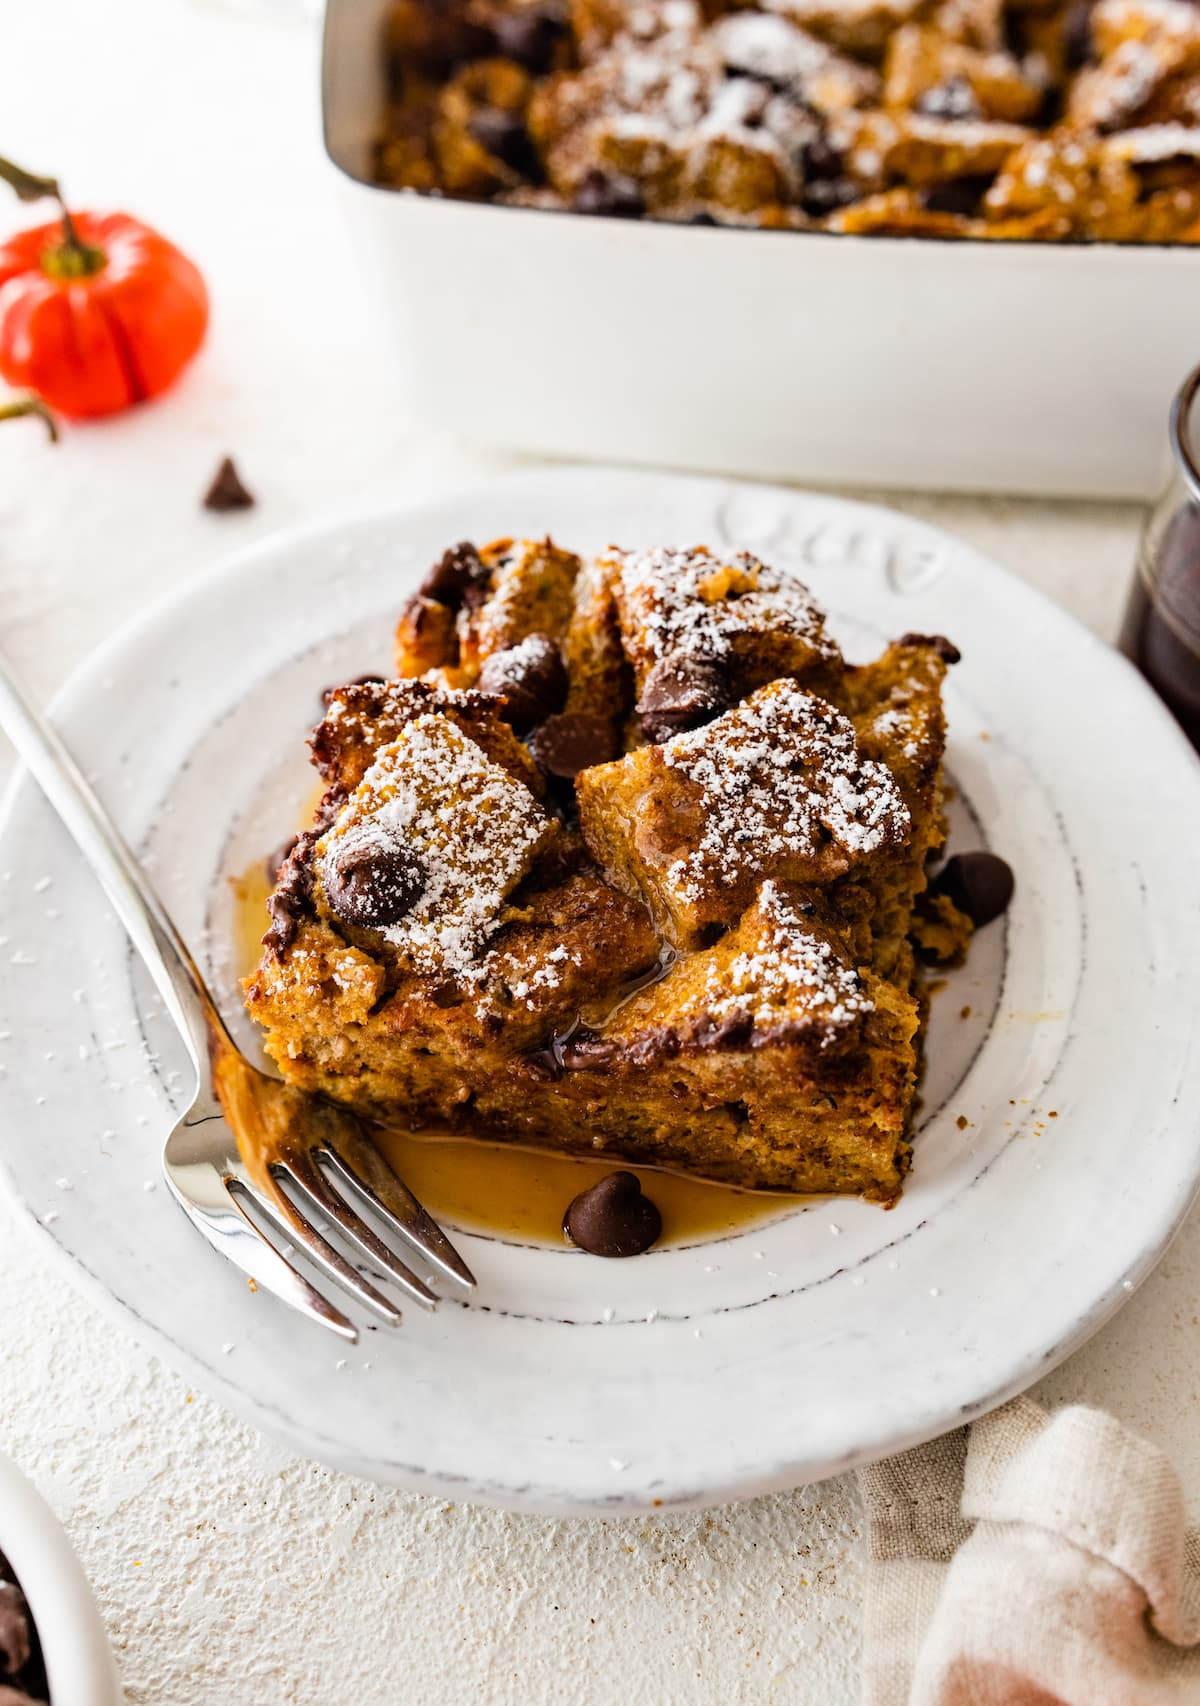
(80, 1668)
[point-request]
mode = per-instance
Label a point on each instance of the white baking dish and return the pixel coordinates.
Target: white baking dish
(1014, 367)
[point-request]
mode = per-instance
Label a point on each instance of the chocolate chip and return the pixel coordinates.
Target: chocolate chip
(819, 159)
(372, 885)
(226, 490)
(458, 574)
(1079, 45)
(681, 693)
(961, 196)
(529, 36)
(609, 194)
(979, 884)
(278, 859)
(952, 99)
(613, 1218)
(574, 741)
(945, 649)
(505, 137)
(530, 677)
(824, 184)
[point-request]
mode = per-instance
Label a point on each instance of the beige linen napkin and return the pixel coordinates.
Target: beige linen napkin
(1030, 1560)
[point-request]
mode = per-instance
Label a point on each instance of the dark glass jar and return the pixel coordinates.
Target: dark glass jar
(1161, 631)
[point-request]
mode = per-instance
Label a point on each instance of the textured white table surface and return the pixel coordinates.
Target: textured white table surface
(228, 1570)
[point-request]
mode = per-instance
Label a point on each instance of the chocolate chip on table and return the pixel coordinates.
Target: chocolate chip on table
(458, 573)
(945, 649)
(574, 741)
(613, 1218)
(531, 678)
(681, 693)
(530, 36)
(609, 194)
(505, 137)
(979, 884)
(226, 490)
(372, 885)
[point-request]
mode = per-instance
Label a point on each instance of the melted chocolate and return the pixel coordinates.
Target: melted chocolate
(291, 901)
(681, 693)
(530, 678)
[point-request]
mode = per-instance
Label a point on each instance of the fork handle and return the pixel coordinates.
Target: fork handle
(156, 939)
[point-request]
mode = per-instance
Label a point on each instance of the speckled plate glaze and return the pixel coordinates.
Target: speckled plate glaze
(1059, 1146)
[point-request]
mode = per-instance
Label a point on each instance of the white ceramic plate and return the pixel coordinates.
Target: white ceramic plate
(831, 1335)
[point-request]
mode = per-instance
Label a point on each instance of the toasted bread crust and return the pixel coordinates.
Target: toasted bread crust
(712, 968)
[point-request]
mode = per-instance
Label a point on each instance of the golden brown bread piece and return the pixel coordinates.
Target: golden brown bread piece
(756, 622)
(776, 787)
(711, 969)
(513, 588)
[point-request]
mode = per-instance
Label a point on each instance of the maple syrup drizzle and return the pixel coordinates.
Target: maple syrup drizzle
(522, 1194)
(507, 1190)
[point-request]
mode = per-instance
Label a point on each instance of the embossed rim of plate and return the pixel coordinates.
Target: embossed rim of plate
(942, 1313)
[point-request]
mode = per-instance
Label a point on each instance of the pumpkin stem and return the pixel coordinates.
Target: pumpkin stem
(79, 258)
(30, 406)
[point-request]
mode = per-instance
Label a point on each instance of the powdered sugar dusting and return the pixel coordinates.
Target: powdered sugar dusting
(548, 975)
(690, 600)
(793, 974)
(1120, 87)
(784, 785)
(473, 829)
(775, 50)
(1155, 142)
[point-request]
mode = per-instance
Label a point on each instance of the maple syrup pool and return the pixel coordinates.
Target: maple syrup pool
(506, 1190)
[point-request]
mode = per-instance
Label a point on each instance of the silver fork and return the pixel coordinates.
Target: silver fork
(252, 1195)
